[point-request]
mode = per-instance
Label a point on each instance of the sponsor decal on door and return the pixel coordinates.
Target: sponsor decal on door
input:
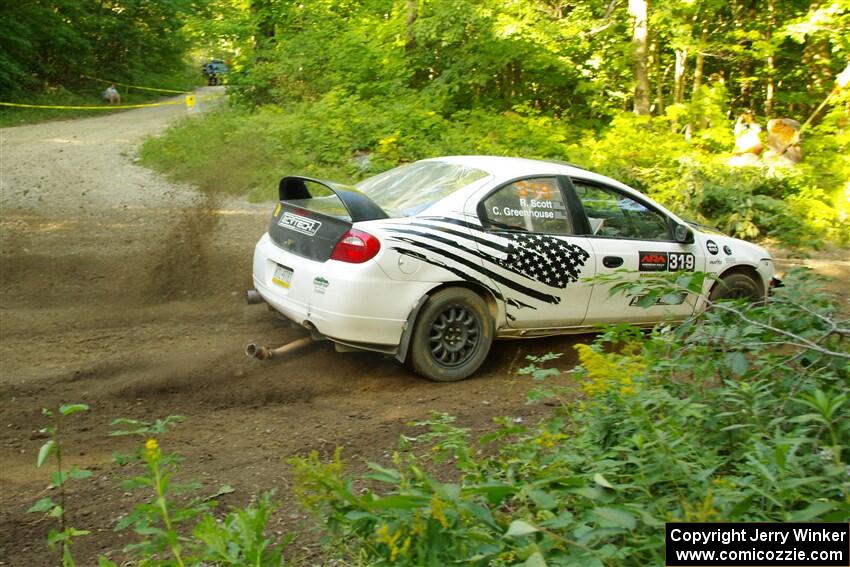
(665, 261)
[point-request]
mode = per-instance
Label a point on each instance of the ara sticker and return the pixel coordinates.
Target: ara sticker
(711, 246)
(320, 285)
(664, 261)
(727, 250)
(653, 262)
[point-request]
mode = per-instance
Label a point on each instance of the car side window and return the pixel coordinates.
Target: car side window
(615, 215)
(529, 205)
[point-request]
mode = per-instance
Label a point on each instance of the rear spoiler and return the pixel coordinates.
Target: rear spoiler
(359, 206)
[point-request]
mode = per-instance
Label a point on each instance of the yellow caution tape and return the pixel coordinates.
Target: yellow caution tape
(104, 107)
(134, 86)
(188, 100)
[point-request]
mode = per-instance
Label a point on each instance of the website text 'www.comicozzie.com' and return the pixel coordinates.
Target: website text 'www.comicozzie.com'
(758, 544)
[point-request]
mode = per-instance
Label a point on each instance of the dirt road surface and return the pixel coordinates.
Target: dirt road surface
(123, 291)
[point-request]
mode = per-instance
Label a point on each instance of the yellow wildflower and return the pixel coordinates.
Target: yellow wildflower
(549, 440)
(702, 511)
(385, 536)
(610, 372)
(438, 511)
(419, 526)
(151, 448)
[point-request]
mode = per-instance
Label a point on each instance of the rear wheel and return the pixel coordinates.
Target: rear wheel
(737, 286)
(452, 336)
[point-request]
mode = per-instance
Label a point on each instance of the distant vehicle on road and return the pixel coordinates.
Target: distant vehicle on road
(431, 261)
(214, 71)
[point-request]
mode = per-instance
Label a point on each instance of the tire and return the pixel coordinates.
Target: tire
(452, 336)
(737, 286)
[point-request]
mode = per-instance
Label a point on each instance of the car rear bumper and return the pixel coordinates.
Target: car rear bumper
(351, 303)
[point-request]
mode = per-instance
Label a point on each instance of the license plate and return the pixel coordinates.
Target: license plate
(282, 276)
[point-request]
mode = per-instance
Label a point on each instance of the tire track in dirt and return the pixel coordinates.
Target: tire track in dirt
(123, 291)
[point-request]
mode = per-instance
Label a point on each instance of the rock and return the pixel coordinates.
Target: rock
(747, 132)
(783, 142)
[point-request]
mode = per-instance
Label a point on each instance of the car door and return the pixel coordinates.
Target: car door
(626, 232)
(535, 258)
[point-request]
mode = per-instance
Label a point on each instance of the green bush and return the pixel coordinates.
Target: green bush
(173, 529)
(747, 422)
(240, 151)
(345, 137)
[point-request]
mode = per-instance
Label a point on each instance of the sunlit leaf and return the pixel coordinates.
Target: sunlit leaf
(45, 452)
(520, 528)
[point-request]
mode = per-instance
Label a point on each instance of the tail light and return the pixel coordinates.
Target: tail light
(356, 247)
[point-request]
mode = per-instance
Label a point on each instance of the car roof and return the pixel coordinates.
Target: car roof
(504, 168)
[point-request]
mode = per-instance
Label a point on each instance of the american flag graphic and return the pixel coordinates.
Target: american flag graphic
(513, 261)
(544, 258)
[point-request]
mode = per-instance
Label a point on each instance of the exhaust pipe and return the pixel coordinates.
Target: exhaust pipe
(254, 350)
(253, 297)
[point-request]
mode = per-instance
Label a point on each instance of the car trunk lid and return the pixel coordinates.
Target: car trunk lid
(312, 215)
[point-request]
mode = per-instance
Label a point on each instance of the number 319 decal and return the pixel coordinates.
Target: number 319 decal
(681, 261)
(666, 261)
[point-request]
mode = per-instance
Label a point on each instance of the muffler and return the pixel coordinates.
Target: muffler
(254, 350)
(253, 297)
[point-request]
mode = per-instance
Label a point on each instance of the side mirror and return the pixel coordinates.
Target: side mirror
(683, 234)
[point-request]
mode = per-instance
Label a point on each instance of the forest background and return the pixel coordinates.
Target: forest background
(646, 92)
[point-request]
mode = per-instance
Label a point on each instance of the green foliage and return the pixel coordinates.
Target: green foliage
(594, 483)
(326, 137)
(58, 480)
(347, 138)
(172, 529)
(344, 89)
(53, 44)
(795, 206)
(239, 539)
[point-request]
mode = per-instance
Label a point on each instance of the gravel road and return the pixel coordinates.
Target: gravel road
(122, 290)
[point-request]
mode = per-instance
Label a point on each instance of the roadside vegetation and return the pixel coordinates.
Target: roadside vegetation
(345, 90)
(750, 421)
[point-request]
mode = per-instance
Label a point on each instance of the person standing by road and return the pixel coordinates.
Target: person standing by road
(111, 95)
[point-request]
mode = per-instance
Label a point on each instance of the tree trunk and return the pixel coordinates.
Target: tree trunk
(264, 28)
(817, 59)
(771, 60)
(679, 74)
(698, 68)
(637, 10)
(412, 14)
(699, 63)
(655, 65)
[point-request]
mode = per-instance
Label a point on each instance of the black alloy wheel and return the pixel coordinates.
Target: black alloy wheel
(737, 286)
(452, 336)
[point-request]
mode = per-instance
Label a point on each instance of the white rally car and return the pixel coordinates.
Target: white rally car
(433, 260)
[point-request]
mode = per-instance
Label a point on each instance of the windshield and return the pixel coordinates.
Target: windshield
(409, 189)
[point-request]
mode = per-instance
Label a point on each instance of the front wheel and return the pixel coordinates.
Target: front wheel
(737, 286)
(452, 336)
